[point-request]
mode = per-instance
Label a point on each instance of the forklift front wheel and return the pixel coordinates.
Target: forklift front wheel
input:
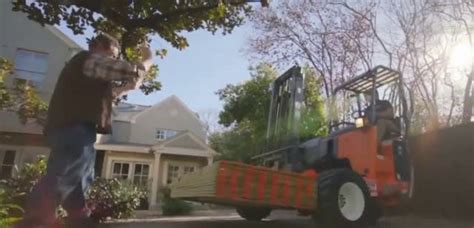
(344, 199)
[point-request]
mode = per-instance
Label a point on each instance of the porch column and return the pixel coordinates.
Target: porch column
(210, 160)
(155, 180)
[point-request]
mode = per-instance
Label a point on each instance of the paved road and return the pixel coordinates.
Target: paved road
(280, 220)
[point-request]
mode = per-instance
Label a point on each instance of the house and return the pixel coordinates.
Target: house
(153, 146)
(38, 54)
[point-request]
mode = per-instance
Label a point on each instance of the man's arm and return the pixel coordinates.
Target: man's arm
(109, 69)
(134, 83)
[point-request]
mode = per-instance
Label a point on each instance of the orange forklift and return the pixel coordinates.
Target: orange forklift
(357, 173)
(344, 179)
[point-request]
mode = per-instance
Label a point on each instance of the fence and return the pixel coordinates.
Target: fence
(444, 172)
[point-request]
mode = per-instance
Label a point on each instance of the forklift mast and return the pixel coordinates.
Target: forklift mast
(282, 139)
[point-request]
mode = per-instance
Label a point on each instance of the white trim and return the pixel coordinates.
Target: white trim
(122, 148)
(155, 181)
(184, 152)
(207, 149)
(164, 176)
(130, 164)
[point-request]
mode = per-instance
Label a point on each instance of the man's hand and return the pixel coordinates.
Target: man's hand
(147, 57)
(118, 91)
(146, 52)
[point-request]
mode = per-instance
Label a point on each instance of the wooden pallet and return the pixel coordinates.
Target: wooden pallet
(238, 184)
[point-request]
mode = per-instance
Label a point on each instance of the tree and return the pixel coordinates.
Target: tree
(245, 113)
(341, 39)
(459, 14)
(21, 97)
(135, 21)
(209, 119)
(335, 43)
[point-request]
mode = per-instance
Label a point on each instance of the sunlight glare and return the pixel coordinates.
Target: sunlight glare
(461, 56)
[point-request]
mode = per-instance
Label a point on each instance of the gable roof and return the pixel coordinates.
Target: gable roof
(139, 110)
(185, 139)
(175, 142)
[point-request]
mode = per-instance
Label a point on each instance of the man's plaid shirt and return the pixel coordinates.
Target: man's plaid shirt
(110, 69)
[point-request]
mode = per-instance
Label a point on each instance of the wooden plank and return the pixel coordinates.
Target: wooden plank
(232, 183)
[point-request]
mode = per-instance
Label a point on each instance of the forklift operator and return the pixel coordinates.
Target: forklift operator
(384, 116)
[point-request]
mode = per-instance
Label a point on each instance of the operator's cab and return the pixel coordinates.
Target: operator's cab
(371, 131)
(363, 99)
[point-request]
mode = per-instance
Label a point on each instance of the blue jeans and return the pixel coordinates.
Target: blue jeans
(68, 176)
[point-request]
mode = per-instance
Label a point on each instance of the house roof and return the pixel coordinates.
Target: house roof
(162, 145)
(184, 138)
(127, 112)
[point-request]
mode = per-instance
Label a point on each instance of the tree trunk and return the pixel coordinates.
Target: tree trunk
(468, 99)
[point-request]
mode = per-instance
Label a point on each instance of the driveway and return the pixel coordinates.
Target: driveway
(279, 219)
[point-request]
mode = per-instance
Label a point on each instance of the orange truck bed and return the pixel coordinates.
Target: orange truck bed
(238, 184)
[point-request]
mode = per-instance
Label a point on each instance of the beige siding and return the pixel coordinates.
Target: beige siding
(16, 31)
(24, 154)
(19, 32)
(186, 142)
(168, 115)
(121, 131)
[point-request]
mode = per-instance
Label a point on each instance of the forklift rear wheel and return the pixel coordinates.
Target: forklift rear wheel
(344, 200)
(253, 213)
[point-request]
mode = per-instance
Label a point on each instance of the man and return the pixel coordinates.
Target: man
(80, 107)
(384, 115)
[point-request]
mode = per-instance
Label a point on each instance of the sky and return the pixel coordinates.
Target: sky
(197, 72)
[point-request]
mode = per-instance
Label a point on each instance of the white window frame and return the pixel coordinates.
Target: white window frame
(141, 175)
(132, 167)
(163, 134)
(35, 76)
(120, 175)
(160, 134)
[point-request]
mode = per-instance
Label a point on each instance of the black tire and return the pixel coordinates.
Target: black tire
(253, 213)
(338, 191)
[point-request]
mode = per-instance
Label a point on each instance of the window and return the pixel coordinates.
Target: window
(140, 175)
(162, 134)
(170, 133)
(120, 170)
(175, 171)
(173, 174)
(188, 169)
(6, 167)
(31, 65)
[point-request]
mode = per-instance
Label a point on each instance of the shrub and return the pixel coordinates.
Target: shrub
(108, 198)
(8, 210)
(111, 198)
(19, 186)
(172, 206)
